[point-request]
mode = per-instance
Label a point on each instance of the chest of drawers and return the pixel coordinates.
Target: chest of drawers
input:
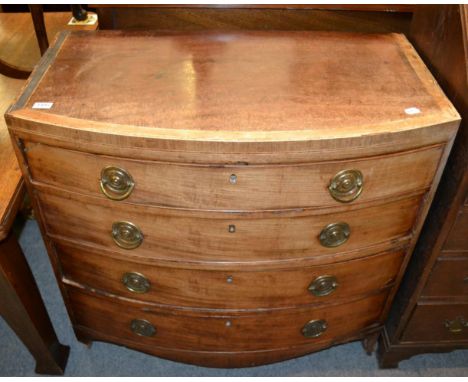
(430, 312)
(230, 199)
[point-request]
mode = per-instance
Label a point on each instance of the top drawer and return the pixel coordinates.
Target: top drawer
(234, 187)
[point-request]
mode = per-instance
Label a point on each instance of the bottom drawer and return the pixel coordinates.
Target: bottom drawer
(438, 322)
(217, 330)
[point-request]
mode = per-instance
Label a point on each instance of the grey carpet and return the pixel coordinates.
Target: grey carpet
(110, 360)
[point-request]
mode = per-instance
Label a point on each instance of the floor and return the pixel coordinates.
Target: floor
(110, 360)
(18, 40)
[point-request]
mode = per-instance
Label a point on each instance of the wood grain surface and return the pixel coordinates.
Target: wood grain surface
(457, 239)
(433, 289)
(449, 278)
(339, 17)
(428, 323)
(351, 7)
(11, 185)
(19, 48)
(23, 310)
(18, 39)
(253, 287)
(207, 331)
(193, 236)
(257, 187)
(223, 359)
(182, 113)
(246, 85)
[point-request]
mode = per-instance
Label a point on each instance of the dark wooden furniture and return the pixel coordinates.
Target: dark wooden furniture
(231, 199)
(346, 18)
(21, 304)
(10, 70)
(37, 15)
(23, 40)
(430, 313)
(13, 71)
(24, 311)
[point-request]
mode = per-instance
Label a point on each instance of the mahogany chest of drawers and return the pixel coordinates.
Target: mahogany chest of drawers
(231, 199)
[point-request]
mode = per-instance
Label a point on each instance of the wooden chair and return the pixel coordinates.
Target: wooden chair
(21, 304)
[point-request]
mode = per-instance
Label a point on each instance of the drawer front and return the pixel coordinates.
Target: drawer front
(237, 187)
(192, 330)
(457, 239)
(438, 322)
(248, 288)
(221, 236)
(449, 278)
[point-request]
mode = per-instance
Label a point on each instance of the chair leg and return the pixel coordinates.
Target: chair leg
(37, 14)
(24, 311)
(13, 71)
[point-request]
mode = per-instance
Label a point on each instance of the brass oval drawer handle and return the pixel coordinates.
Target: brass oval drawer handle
(142, 328)
(334, 234)
(457, 325)
(314, 328)
(126, 235)
(323, 285)
(346, 185)
(136, 282)
(116, 183)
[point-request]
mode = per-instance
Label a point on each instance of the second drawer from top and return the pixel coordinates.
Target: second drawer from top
(217, 236)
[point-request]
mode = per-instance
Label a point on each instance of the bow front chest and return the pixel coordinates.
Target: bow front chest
(230, 199)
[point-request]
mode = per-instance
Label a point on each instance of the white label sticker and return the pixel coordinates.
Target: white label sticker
(42, 105)
(412, 110)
